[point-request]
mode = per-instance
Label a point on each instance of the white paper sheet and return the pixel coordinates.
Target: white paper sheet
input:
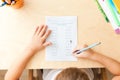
(63, 38)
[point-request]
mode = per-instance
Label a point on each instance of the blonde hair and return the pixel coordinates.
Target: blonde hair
(72, 74)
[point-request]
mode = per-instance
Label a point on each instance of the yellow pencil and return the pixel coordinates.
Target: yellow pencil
(117, 5)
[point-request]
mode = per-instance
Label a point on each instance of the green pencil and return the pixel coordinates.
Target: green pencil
(100, 8)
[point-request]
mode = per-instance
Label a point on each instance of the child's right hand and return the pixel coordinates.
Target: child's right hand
(86, 54)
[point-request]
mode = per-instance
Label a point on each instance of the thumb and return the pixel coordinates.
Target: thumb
(47, 44)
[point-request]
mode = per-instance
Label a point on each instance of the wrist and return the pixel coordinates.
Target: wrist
(96, 56)
(31, 50)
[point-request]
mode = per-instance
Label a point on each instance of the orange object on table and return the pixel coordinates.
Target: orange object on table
(117, 5)
(17, 4)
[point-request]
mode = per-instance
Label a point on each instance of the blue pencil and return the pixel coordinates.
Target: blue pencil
(3, 4)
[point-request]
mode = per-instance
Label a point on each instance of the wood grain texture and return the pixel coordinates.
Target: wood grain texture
(17, 27)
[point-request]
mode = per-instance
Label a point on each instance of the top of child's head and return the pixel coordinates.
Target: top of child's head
(72, 74)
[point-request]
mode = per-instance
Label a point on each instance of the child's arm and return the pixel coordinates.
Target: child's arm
(112, 65)
(38, 43)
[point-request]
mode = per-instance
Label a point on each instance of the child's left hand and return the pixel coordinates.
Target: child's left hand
(39, 38)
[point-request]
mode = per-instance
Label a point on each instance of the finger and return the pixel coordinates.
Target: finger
(39, 30)
(46, 34)
(36, 30)
(8, 1)
(43, 31)
(85, 45)
(47, 44)
(75, 51)
(76, 55)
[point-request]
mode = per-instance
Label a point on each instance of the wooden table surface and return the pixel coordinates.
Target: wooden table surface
(17, 27)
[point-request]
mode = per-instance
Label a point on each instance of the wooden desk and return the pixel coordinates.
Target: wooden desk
(17, 27)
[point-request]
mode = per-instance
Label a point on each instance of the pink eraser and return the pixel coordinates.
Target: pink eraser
(117, 31)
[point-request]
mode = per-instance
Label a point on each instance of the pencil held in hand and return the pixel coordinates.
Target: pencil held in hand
(86, 48)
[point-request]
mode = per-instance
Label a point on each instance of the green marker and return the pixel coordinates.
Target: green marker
(100, 8)
(113, 13)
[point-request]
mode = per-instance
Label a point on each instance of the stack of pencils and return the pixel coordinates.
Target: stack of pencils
(111, 11)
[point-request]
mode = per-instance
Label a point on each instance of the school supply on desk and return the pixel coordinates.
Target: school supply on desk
(111, 13)
(63, 38)
(3, 4)
(100, 8)
(117, 5)
(84, 49)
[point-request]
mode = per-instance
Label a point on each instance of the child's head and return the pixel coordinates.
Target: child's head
(72, 74)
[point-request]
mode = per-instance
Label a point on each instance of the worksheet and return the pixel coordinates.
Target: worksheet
(63, 38)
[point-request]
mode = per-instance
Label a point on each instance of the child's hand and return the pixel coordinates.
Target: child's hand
(39, 38)
(86, 54)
